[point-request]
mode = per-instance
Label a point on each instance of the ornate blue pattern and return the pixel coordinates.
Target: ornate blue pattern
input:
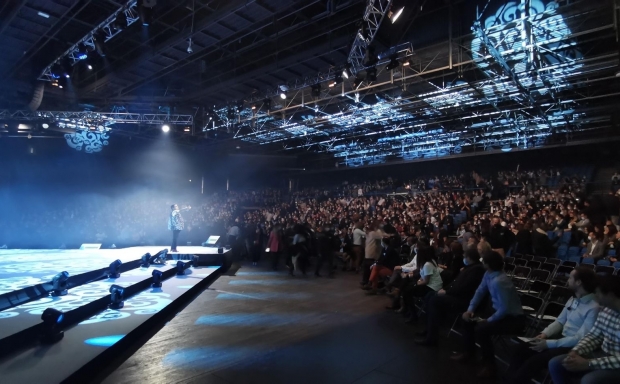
(89, 141)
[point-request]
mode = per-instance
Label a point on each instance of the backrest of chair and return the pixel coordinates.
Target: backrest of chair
(528, 257)
(589, 266)
(548, 267)
(521, 262)
(603, 270)
(603, 262)
(587, 260)
(541, 287)
(560, 295)
(554, 261)
(509, 260)
(570, 263)
(539, 274)
(533, 264)
(522, 272)
(533, 302)
(518, 256)
(509, 268)
(616, 264)
(540, 259)
(553, 309)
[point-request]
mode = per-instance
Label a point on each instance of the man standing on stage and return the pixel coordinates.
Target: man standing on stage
(176, 225)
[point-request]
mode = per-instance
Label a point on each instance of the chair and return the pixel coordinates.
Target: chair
(528, 257)
(604, 262)
(566, 237)
(509, 269)
(554, 261)
(559, 295)
(604, 270)
(520, 275)
(589, 266)
(570, 263)
(537, 288)
(561, 274)
(562, 252)
(531, 306)
(518, 255)
(509, 260)
(549, 267)
(520, 262)
(539, 275)
(540, 259)
(550, 313)
(616, 265)
(573, 252)
(587, 260)
(611, 252)
(533, 264)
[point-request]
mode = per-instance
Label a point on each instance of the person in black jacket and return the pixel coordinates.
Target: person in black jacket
(325, 247)
(454, 298)
(384, 266)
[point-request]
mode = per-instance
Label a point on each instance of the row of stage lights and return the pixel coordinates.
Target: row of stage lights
(52, 318)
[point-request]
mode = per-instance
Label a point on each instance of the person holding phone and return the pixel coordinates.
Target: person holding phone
(576, 319)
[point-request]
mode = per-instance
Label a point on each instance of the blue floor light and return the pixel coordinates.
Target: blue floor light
(113, 272)
(51, 331)
(145, 261)
(180, 268)
(157, 275)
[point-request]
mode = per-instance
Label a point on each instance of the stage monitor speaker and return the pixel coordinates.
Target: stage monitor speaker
(213, 242)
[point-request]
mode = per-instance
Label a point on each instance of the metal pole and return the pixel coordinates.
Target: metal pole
(202, 186)
(450, 34)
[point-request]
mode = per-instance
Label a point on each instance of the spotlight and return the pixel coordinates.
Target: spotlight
(113, 272)
(165, 128)
(394, 63)
(145, 10)
(90, 67)
(157, 275)
(51, 321)
(59, 284)
(398, 6)
(180, 268)
(316, 90)
(52, 316)
(189, 47)
(82, 52)
(618, 73)
(282, 95)
(346, 72)
(117, 297)
(45, 125)
(145, 261)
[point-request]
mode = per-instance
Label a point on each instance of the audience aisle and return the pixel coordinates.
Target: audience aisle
(265, 327)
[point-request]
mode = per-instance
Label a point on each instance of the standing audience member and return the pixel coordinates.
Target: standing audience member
(508, 317)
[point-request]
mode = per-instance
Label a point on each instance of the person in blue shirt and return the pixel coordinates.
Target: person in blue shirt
(574, 322)
(507, 318)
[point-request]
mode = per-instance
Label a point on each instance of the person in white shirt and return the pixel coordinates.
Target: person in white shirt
(373, 248)
(359, 237)
(429, 283)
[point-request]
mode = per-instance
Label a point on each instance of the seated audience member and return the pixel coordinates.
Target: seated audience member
(596, 358)
(484, 248)
(403, 274)
(455, 298)
(429, 282)
(559, 337)
(595, 249)
(451, 262)
(508, 317)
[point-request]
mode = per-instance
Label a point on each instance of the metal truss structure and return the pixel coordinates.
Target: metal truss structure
(104, 31)
(373, 17)
(535, 73)
(95, 118)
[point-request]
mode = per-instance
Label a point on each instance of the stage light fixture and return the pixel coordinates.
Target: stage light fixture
(346, 72)
(394, 63)
(90, 67)
(145, 260)
(180, 268)
(371, 74)
(398, 6)
(45, 125)
(113, 272)
(195, 257)
(282, 95)
(120, 22)
(117, 296)
(189, 47)
(82, 52)
(145, 11)
(157, 275)
(338, 79)
(51, 326)
(59, 284)
(165, 128)
(316, 90)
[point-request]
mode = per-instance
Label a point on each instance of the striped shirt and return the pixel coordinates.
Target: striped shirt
(605, 335)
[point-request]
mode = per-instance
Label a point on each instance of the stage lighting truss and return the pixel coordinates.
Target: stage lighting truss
(376, 11)
(105, 30)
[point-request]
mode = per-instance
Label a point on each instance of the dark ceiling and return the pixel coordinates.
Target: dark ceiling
(525, 78)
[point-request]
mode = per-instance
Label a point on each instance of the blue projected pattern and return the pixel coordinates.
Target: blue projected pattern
(104, 341)
(250, 319)
(523, 86)
(89, 141)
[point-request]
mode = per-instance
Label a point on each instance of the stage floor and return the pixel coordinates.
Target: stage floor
(52, 364)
